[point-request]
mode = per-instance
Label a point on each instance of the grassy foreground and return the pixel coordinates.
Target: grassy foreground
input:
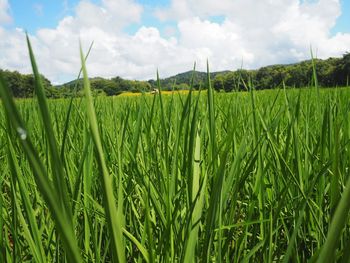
(241, 177)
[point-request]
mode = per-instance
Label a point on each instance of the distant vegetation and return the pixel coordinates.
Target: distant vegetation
(109, 87)
(331, 72)
(182, 81)
(22, 86)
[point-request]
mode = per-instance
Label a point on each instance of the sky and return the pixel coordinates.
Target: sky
(135, 38)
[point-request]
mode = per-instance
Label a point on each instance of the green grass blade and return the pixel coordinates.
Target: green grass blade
(59, 177)
(337, 224)
(33, 235)
(45, 187)
(212, 134)
(114, 220)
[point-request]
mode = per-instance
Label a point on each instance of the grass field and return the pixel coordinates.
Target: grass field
(198, 177)
(135, 94)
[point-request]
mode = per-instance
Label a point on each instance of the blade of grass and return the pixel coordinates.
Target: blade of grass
(337, 224)
(41, 177)
(34, 237)
(114, 219)
(56, 163)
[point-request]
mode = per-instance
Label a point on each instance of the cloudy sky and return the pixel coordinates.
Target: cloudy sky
(134, 38)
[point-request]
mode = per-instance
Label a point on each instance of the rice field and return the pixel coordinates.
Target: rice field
(135, 94)
(197, 177)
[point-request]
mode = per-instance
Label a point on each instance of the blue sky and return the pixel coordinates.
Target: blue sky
(35, 14)
(343, 22)
(134, 38)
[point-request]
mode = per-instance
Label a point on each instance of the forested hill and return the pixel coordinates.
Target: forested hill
(331, 72)
(22, 85)
(109, 87)
(183, 80)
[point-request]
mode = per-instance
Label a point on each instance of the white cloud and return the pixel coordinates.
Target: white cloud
(222, 44)
(13, 51)
(261, 32)
(255, 32)
(4, 12)
(110, 16)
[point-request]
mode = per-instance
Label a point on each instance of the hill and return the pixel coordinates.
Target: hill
(183, 80)
(331, 72)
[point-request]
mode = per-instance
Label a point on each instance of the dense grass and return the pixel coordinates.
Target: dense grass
(197, 177)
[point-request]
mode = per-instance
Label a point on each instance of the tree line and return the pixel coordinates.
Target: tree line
(331, 72)
(22, 85)
(106, 87)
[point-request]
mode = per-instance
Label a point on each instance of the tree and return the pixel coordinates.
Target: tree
(22, 86)
(218, 82)
(342, 72)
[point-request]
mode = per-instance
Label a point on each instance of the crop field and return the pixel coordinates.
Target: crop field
(259, 176)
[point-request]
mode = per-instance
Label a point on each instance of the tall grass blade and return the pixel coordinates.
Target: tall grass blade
(337, 224)
(114, 219)
(45, 186)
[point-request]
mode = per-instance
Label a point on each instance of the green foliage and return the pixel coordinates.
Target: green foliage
(258, 176)
(109, 87)
(233, 81)
(22, 86)
(182, 81)
(342, 71)
(330, 73)
(212, 177)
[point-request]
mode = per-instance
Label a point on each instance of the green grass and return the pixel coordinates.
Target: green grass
(198, 177)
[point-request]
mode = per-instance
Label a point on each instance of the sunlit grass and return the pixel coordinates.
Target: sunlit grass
(165, 92)
(188, 176)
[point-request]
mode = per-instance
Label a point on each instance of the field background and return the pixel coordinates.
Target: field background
(197, 177)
